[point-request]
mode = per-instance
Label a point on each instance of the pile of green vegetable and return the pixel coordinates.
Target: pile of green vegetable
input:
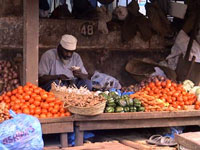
(118, 104)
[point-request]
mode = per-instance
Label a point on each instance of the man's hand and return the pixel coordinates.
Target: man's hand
(62, 77)
(77, 73)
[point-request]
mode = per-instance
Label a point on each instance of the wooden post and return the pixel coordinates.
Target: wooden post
(64, 140)
(79, 136)
(31, 41)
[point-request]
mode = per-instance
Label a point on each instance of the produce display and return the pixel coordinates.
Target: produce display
(164, 96)
(142, 84)
(78, 97)
(30, 99)
(118, 104)
(189, 86)
(4, 113)
(9, 75)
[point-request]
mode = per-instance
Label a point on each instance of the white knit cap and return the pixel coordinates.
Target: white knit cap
(68, 42)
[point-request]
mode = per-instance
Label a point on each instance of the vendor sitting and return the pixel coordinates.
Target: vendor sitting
(63, 64)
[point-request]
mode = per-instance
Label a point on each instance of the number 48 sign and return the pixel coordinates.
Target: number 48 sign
(87, 29)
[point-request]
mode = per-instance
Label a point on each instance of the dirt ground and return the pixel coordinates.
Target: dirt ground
(132, 139)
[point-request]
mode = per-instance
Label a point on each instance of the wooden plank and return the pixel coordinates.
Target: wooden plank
(138, 115)
(135, 145)
(79, 136)
(48, 128)
(64, 140)
(189, 140)
(102, 146)
(137, 123)
(56, 120)
(31, 41)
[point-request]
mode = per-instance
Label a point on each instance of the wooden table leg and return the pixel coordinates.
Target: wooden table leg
(79, 136)
(64, 140)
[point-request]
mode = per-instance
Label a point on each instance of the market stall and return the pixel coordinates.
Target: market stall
(155, 102)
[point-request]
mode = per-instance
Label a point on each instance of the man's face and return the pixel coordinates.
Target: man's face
(66, 54)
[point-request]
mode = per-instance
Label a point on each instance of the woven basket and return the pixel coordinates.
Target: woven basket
(59, 95)
(87, 111)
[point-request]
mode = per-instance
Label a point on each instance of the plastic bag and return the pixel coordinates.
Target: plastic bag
(72, 137)
(104, 81)
(23, 132)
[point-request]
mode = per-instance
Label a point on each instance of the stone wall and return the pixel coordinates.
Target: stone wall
(11, 29)
(11, 8)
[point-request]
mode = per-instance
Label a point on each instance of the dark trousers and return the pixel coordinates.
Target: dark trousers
(77, 82)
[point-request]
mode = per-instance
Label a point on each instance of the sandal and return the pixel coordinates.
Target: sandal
(167, 141)
(154, 139)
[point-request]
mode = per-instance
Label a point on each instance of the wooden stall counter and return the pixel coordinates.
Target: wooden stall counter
(62, 125)
(133, 120)
(190, 140)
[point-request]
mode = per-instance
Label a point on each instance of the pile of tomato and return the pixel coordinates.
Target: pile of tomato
(33, 100)
(171, 92)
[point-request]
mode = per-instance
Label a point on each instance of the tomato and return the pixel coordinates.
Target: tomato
(29, 92)
(54, 111)
(37, 116)
(16, 107)
(45, 105)
(8, 93)
(62, 110)
(44, 95)
(62, 114)
(29, 84)
(44, 111)
(7, 100)
(152, 85)
(50, 99)
(197, 107)
(26, 110)
(14, 91)
(43, 116)
(51, 104)
(31, 100)
(163, 84)
(36, 90)
(36, 103)
(38, 98)
(158, 83)
(175, 94)
(56, 106)
(26, 97)
(33, 95)
(32, 111)
(49, 115)
(37, 110)
(67, 114)
(32, 106)
(25, 88)
(184, 107)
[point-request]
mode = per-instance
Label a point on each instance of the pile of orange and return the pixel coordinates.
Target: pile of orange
(171, 92)
(33, 100)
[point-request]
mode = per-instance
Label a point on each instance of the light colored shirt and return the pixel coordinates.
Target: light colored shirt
(50, 64)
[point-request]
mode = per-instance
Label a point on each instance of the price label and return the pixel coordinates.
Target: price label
(87, 29)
